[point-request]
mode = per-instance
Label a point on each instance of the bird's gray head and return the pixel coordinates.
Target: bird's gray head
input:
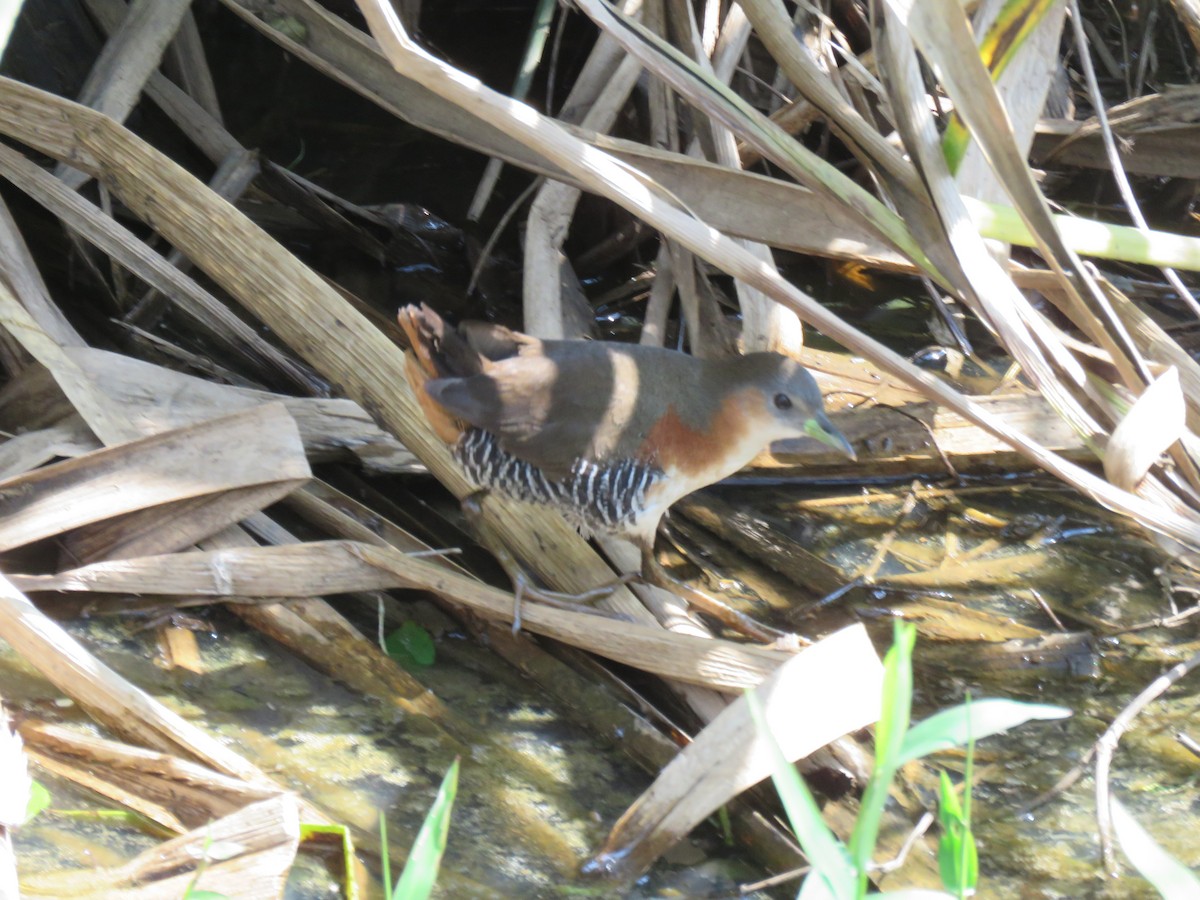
(793, 400)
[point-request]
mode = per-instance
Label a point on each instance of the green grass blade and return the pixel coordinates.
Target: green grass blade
(968, 862)
(816, 887)
(833, 874)
(420, 873)
(1015, 23)
(386, 857)
(897, 695)
(958, 857)
(889, 736)
(983, 718)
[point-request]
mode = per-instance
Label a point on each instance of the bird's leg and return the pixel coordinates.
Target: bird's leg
(523, 585)
(654, 573)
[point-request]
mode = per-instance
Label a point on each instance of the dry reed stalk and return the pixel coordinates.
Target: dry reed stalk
(301, 570)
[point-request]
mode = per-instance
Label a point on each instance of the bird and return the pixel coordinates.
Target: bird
(610, 434)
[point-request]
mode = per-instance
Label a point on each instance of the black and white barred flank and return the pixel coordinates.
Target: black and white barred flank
(594, 496)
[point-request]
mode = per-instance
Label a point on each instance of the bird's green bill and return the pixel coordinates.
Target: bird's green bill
(822, 429)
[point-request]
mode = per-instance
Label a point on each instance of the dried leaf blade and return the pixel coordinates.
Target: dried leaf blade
(1155, 421)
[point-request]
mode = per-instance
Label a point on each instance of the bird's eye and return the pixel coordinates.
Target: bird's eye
(783, 401)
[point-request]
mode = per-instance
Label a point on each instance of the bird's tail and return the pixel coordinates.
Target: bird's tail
(433, 352)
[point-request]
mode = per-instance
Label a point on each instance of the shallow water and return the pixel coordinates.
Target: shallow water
(531, 804)
(1021, 590)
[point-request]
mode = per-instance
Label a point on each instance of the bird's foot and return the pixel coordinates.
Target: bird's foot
(580, 603)
(523, 583)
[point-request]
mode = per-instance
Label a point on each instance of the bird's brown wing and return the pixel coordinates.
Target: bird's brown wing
(540, 408)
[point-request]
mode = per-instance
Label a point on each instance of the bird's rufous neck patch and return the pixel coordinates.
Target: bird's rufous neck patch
(673, 444)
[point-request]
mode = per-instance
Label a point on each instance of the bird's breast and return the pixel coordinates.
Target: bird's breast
(710, 448)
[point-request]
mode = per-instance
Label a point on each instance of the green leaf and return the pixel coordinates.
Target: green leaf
(949, 808)
(420, 873)
(958, 861)
(411, 646)
(897, 696)
(39, 800)
(1015, 23)
(383, 843)
(952, 727)
(1171, 878)
(889, 736)
(958, 857)
(833, 873)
